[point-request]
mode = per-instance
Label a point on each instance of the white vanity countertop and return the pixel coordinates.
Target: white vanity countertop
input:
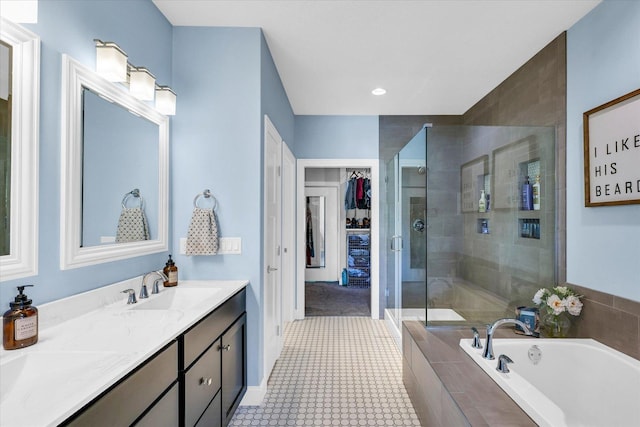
(88, 342)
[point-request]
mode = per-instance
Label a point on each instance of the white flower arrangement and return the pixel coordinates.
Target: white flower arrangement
(559, 299)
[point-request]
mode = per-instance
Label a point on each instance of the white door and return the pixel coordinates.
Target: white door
(323, 236)
(288, 234)
(272, 243)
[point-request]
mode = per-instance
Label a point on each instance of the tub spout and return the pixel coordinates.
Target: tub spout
(488, 347)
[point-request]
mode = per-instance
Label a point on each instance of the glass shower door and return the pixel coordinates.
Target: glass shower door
(393, 244)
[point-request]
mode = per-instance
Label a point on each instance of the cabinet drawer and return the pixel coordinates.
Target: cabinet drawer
(201, 383)
(165, 413)
(210, 328)
(211, 417)
(123, 404)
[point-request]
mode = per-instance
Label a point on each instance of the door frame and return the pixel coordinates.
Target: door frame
(288, 235)
(272, 342)
(373, 166)
(328, 229)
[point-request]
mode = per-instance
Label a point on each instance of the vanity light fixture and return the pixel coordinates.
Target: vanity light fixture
(112, 64)
(378, 91)
(142, 84)
(165, 100)
(111, 61)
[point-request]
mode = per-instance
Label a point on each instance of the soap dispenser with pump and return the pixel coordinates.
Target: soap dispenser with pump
(20, 323)
(171, 271)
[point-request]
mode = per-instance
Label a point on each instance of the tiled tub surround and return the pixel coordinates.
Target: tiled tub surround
(612, 320)
(566, 382)
(446, 387)
(90, 341)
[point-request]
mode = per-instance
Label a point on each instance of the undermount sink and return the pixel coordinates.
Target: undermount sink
(175, 299)
(20, 377)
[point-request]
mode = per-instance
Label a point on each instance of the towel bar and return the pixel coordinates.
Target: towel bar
(206, 194)
(135, 193)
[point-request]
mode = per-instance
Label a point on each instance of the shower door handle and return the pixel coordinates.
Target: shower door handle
(394, 247)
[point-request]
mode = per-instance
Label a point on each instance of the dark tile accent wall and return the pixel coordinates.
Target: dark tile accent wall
(612, 320)
(396, 131)
(535, 95)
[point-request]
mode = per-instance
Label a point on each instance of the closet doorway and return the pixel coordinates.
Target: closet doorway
(321, 185)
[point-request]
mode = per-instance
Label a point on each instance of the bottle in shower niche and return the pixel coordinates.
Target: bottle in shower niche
(20, 323)
(482, 203)
(535, 190)
(171, 271)
(527, 195)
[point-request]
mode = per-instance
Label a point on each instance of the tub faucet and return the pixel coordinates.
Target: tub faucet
(155, 289)
(488, 347)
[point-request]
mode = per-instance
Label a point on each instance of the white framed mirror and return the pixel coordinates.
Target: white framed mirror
(19, 111)
(86, 183)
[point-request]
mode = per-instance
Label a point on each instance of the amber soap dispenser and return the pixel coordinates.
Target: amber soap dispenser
(171, 271)
(20, 324)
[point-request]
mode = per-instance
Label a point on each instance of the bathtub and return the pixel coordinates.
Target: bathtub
(576, 382)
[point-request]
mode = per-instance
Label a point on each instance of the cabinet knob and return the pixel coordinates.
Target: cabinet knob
(225, 347)
(206, 381)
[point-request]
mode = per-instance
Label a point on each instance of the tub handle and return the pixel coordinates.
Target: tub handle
(503, 361)
(476, 338)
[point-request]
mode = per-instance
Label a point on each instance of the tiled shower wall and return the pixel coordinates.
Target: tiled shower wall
(501, 261)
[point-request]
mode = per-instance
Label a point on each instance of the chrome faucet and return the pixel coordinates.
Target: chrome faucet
(476, 338)
(155, 289)
(488, 347)
(131, 299)
(503, 360)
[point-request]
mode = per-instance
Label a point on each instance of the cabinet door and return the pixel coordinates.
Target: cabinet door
(234, 367)
(201, 383)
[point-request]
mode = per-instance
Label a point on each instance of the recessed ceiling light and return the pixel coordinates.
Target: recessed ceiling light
(378, 91)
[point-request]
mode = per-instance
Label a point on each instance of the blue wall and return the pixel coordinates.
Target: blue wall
(603, 63)
(274, 99)
(336, 137)
(226, 82)
(70, 27)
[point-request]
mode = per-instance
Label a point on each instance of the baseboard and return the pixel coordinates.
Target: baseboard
(254, 395)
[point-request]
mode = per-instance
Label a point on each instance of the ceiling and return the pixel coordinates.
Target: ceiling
(432, 57)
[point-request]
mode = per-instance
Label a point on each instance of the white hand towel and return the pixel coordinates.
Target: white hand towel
(132, 226)
(202, 238)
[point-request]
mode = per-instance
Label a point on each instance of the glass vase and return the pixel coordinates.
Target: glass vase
(557, 326)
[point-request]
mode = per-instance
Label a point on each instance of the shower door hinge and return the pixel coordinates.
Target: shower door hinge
(386, 292)
(278, 330)
(278, 170)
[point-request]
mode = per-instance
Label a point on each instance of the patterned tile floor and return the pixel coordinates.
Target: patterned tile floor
(334, 371)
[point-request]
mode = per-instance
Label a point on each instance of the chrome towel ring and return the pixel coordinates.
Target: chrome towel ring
(133, 193)
(207, 195)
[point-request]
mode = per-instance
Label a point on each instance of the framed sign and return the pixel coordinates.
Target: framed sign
(612, 152)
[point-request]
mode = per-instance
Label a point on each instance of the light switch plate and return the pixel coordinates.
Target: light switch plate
(226, 245)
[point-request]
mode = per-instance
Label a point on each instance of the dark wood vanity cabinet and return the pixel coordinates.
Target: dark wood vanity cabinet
(197, 379)
(213, 374)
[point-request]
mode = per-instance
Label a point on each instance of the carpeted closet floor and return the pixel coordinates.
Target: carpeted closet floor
(331, 299)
